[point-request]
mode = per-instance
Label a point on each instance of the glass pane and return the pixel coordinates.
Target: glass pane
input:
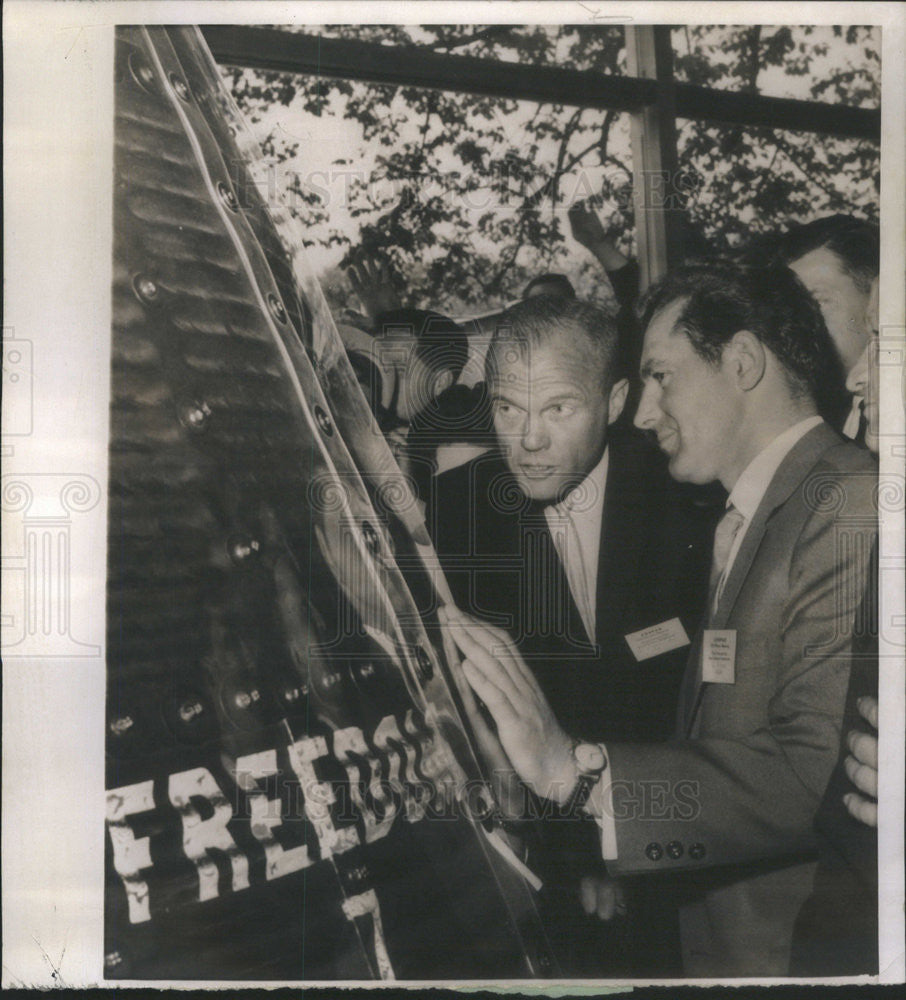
(466, 194)
(830, 63)
(741, 182)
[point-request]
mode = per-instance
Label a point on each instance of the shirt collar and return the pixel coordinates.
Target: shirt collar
(588, 495)
(750, 488)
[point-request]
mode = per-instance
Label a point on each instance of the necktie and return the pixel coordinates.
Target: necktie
(724, 537)
(569, 548)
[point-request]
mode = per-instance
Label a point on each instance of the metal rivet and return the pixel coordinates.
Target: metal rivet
(179, 85)
(190, 710)
(697, 852)
(141, 71)
(276, 308)
(357, 875)
(293, 695)
(145, 288)
(425, 666)
(372, 540)
(227, 196)
(113, 959)
(323, 421)
(245, 699)
(675, 850)
(194, 416)
(120, 727)
(544, 963)
(654, 851)
(242, 547)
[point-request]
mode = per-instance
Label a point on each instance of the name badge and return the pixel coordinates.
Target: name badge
(657, 639)
(719, 656)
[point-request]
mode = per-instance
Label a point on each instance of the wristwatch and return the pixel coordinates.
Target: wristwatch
(591, 763)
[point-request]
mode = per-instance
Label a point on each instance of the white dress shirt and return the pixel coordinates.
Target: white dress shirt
(575, 525)
(747, 493)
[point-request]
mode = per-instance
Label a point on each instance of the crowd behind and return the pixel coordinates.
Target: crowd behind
(647, 597)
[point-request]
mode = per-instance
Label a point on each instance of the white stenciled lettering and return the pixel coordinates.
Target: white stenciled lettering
(131, 854)
(347, 742)
(199, 835)
(363, 905)
(265, 815)
(401, 773)
(319, 797)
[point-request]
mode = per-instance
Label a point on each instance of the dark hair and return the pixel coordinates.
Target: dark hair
(537, 320)
(560, 281)
(722, 297)
(440, 342)
(855, 242)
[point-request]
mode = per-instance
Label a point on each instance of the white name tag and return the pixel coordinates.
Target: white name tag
(657, 639)
(719, 656)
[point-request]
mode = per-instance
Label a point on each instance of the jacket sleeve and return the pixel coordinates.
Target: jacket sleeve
(752, 794)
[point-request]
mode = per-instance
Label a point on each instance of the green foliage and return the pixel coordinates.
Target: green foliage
(468, 194)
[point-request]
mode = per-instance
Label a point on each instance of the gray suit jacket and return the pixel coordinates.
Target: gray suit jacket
(736, 793)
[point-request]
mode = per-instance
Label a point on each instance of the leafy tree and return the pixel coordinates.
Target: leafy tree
(468, 194)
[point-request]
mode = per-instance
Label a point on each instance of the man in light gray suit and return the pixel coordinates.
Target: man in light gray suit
(733, 364)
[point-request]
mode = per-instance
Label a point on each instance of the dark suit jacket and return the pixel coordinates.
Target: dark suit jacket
(501, 564)
(753, 758)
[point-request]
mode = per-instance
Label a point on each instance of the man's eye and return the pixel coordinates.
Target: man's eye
(659, 377)
(561, 409)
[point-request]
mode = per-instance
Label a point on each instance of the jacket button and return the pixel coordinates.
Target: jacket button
(674, 850)
(697, 852)
(654, 851)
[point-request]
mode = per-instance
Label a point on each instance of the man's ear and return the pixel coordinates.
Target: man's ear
(442, 381)
(617, 399)
(745, 354)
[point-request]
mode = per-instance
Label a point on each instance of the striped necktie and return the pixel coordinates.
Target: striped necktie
(724, 537)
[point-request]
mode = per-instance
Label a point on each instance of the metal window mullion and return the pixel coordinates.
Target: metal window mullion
(658, 210)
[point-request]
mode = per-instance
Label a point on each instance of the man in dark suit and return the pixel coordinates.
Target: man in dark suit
(572, 536)
(734, 365)
(837, 929)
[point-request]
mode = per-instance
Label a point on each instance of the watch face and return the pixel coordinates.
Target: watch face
(589, 757)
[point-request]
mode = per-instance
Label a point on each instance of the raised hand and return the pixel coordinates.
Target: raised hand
(371, 279)
(536, 745)
(587, 229)
(862, 766)
(586, 226)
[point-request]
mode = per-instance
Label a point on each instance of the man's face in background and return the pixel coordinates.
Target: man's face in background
(863, 381)
(396, 381)
(843, 304)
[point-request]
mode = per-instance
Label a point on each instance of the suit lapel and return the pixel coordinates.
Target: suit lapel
(788, 477)
(790, 473)
(624, 527)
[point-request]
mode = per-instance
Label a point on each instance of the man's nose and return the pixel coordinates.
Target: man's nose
(648, 411)
(857, 380)
(534, 435)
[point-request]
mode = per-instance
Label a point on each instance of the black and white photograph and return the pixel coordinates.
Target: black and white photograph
(453, 492)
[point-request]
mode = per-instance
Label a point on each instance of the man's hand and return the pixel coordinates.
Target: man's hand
(538, 748)
(587, 229)
(862, 766)
(603, 896)
(371, 279)
(586, 226)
